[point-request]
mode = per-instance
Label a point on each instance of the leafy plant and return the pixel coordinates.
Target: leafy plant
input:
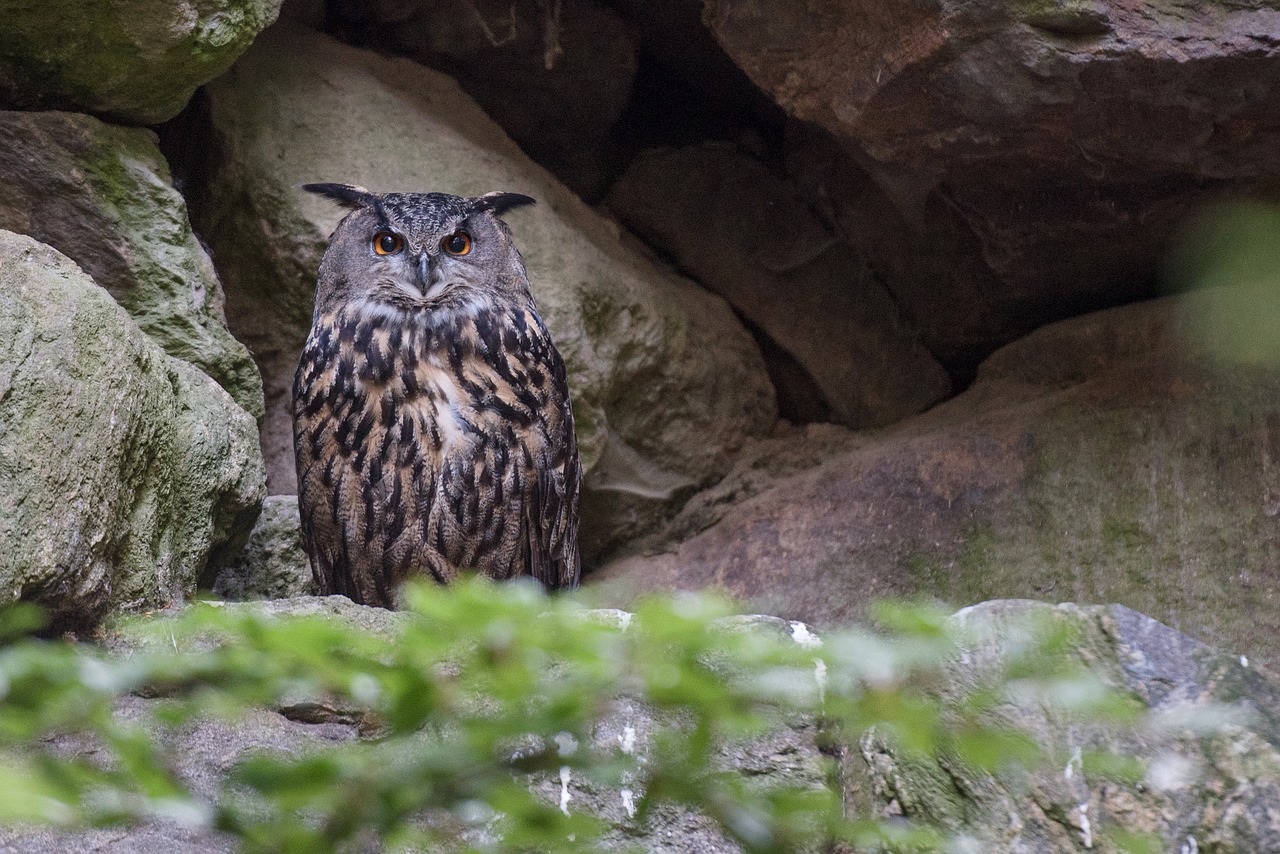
(482, 692)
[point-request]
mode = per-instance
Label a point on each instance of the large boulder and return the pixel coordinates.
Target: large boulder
(102, 196)
(138, 62)
(122, 470)
(1100, 459)
(666, 383)
(1011, 161)
(748, 235)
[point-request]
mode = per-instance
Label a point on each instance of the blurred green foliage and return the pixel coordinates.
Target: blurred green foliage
(486, 688)
(1230, 256)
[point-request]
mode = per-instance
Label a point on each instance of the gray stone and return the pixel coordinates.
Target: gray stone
(787, 754)
(748, 236)
(666, 383)
(102, 196)
(137, 62)
(123, 471)
(201, 753)
(273, 564)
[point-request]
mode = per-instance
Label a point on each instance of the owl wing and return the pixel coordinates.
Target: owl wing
(317, 527)
(551, 515)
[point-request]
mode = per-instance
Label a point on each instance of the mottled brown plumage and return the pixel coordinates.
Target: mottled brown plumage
(432, 424)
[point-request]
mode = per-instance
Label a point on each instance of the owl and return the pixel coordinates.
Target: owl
(431, 417)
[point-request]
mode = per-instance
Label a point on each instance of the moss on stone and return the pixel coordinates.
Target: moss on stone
(1143, 506)
(1151, 484)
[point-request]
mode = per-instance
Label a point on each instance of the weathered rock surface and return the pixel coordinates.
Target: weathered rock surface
(202, 754)
(748, 236)
(273, 564)
(762, 465)
(555, 77)
(102, 196)
(667, 384)
(1044, 151)
(1208, 748)
(122, 469)
(137, 62)
(1098, 460)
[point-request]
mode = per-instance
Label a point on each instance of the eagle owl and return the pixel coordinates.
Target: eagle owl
(431, 416)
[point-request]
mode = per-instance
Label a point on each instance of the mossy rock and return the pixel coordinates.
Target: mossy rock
(103, 196)
(123, 471)
(1107, 458)
(136, 62)
(273, 564)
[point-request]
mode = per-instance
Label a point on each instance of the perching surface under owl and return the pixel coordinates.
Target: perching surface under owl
(431, 415)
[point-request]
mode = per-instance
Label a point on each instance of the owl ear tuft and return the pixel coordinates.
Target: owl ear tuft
(344, 194)
(500, 203)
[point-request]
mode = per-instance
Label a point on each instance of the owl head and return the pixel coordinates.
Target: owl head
(419, 251)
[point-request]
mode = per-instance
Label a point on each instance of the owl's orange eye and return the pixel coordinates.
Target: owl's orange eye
(386, 243)
(458, 243)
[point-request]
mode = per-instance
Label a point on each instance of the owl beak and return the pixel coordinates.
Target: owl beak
(424, 272)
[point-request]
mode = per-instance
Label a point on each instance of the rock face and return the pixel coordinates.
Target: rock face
(748, 236)
(1098, 460)
(1206, 786)
(666, 382)
(1026, 158)
(136, 62)
(122, 470)
(103, 197)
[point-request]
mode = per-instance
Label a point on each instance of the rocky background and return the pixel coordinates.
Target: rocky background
(858, 298)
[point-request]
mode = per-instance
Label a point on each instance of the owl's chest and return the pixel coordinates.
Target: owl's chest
(426, 405)
(404, 392)
(444, 410)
